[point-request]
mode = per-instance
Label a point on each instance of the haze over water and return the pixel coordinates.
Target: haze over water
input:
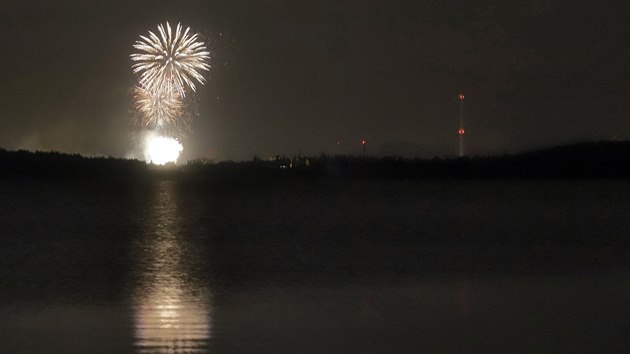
(165, 266)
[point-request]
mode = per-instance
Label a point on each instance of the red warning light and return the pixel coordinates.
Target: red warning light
(461, 96)
(363, 142)
(460, 132)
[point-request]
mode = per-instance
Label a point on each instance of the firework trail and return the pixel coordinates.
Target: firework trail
(170, 62)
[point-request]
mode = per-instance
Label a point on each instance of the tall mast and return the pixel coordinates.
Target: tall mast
(461, 124)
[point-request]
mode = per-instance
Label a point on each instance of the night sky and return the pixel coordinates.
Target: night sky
(293, 77)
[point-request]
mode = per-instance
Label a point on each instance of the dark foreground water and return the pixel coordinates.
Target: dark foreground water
(315, 267)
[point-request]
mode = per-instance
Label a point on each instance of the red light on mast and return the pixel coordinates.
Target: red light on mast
(461, 96)
(363, 142)
(461, 131)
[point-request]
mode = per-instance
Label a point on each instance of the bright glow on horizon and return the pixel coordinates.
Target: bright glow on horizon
(161, 150)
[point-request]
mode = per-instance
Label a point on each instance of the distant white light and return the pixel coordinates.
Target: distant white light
(161, 150)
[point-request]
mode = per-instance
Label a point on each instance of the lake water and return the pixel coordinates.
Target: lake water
(169, 266)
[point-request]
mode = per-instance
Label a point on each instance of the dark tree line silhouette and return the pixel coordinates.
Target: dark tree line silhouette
(55, 165)
(577, 161)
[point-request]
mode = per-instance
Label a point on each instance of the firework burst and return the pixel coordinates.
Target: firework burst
(157, 109)
(168, 65)
(171, 62)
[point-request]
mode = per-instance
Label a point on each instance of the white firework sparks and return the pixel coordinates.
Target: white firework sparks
(157, 109)
(170, 62)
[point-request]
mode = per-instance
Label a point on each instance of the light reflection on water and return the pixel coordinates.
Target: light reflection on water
(158, 269)
(171, 306)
